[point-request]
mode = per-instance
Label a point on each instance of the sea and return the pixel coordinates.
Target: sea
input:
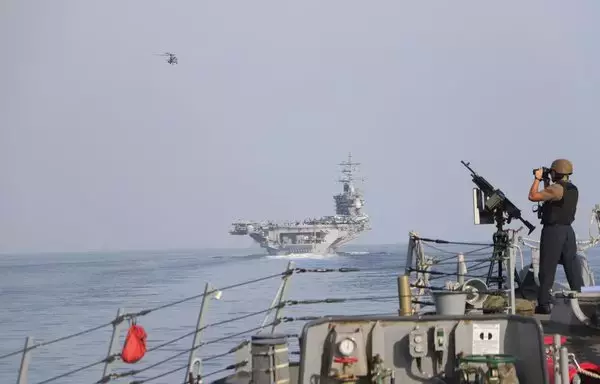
(48, 296)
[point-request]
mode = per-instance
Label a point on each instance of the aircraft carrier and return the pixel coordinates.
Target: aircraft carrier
(316, 236)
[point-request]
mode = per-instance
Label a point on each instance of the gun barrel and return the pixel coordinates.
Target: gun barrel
(468, 166)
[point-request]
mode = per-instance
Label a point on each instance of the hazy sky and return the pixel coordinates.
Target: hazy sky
(105, 146)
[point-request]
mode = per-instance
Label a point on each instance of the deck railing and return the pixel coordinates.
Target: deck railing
(113, 368)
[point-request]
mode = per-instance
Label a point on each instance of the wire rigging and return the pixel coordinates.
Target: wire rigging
(59, 339)
(166, 360)
(139, 314)
(144, 312)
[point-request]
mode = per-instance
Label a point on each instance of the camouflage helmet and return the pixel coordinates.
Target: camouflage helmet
(562, 166)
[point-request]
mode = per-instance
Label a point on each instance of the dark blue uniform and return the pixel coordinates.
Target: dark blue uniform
(558, 244)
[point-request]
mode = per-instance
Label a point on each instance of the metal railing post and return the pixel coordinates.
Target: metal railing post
(512, 265)
(195, 364)
(113, 348)
(461, 269)
(23, 370)
(556, 357)
(278, 300)
(410, 253)
(564, 365)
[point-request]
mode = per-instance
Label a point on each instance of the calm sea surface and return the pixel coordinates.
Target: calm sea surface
(52, 295)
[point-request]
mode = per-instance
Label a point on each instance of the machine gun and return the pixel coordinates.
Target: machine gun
(491, 205)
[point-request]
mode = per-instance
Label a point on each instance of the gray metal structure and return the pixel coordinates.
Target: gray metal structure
(415, 349)
(322, 235)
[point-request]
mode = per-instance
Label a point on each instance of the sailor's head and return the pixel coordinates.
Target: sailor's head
(561, 169)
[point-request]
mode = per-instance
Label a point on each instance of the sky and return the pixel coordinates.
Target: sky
(105, 146)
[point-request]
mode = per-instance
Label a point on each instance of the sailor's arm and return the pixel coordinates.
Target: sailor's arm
(552, 192)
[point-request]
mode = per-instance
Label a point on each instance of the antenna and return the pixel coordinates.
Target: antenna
(348, 168)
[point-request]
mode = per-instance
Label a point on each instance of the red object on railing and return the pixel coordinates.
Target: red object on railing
(345, 360)
(549, 340)
(135, 345)
(587, 366)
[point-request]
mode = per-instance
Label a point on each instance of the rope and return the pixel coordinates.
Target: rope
(593, 375)
(588, 373)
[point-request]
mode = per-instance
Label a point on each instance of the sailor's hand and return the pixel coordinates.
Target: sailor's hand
(539, 173)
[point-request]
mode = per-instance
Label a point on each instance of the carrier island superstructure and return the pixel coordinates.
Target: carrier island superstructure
(318, 236)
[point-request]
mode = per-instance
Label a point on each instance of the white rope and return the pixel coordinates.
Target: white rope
(581, 370)
(588, 373)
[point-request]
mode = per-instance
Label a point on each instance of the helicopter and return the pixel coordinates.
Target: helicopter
(172, 58)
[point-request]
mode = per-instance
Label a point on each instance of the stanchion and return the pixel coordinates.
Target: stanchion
(22, 379)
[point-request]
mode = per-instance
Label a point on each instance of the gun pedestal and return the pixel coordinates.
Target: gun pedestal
(500, 254)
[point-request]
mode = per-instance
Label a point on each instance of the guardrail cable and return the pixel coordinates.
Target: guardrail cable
(227, 368)
(492, 293)
(339, 300)
(139, 314)
(173, 303)
(63, 375)
(144, 312)
(231, 320)
(438, 241)
(160, 376)
(59, 339)
(163, 361)
(324, 270)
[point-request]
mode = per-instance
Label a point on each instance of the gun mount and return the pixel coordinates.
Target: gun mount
(491, 204)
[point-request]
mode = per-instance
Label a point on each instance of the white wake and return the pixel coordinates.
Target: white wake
(294, 256)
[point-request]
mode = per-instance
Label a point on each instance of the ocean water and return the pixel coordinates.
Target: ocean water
(47, 296)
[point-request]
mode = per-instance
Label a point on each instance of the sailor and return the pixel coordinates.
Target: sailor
(557, 241)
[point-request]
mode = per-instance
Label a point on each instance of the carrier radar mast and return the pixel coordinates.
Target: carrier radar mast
(348, 169)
